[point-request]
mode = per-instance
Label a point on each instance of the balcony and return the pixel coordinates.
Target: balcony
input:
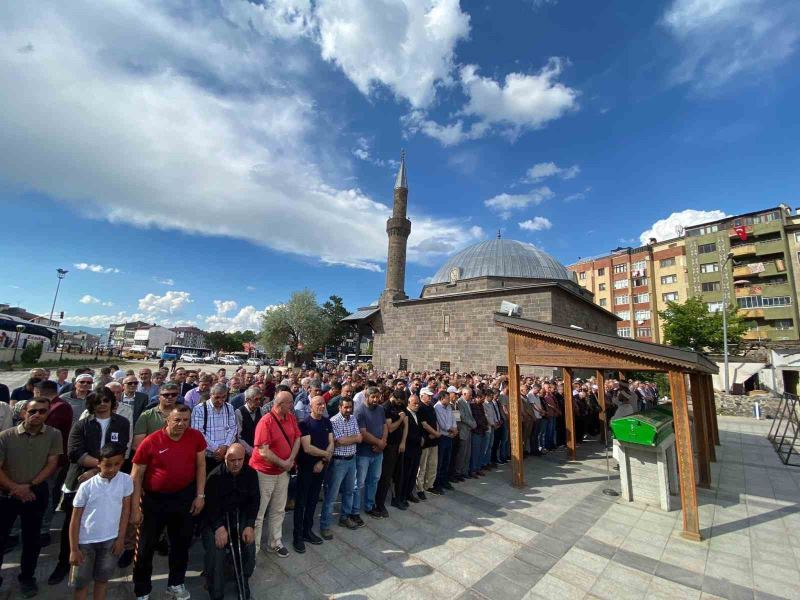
(773, 267)
(751, 313)
(769, 247)
(754, 334)
(743, 250)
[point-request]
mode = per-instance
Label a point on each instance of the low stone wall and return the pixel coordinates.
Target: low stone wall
(742, 406)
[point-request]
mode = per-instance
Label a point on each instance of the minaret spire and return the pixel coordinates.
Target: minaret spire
(398, 228)
(401, 183)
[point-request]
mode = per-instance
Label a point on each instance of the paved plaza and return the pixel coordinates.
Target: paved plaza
(559, 538)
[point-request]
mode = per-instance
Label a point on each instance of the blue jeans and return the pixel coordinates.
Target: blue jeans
(551, 433)
(476, 455)
(368, 473)
(342, 478)
(487, 447)
(442, 468)
(541, 431)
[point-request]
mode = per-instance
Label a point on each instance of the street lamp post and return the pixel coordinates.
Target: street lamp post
(725, 326)
(61, 274)
(20, 328)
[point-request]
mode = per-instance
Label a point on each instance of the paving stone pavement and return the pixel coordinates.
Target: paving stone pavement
(558, 538)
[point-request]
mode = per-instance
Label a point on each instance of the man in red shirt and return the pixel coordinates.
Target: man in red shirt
(170, 467)
(276, 443)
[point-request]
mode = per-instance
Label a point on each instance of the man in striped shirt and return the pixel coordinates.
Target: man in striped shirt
(216, 420)
(345, 436)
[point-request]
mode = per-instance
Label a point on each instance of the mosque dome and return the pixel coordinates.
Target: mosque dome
(501, 258)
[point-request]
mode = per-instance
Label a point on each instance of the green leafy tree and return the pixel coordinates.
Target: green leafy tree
(334, 312)
(31, 353)
(230, 341)
(299, 322)
(691, 325)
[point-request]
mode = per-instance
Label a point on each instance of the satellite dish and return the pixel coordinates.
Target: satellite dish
(511, 309)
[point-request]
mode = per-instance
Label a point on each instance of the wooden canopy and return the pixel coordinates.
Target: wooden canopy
(536, 343)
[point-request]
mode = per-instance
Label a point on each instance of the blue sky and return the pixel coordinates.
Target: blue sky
(194, 162)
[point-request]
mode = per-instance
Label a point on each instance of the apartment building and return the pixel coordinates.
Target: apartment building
(636, 283)
(762, 277)
(759, 277)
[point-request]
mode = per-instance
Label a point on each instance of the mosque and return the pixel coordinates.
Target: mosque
(451, 325)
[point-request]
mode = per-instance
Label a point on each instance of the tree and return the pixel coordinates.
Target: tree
(31, 353)
(691, 325)
(301, 321)
(230, 341)
(334, 312)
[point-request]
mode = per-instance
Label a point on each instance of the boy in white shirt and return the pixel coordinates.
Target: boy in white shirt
(102, 508)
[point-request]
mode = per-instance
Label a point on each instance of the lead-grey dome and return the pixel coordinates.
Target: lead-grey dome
(502, 258)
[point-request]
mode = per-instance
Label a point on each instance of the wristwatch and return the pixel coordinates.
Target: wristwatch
(201, 496)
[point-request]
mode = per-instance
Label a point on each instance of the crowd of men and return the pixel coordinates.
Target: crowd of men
(145, 462)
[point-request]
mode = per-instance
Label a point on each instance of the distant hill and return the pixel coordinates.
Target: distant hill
(93, 330)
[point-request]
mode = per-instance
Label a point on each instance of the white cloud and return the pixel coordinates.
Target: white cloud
(249, 317)
(673, 225)
(522, 102)
(103, 320)
(225, 306)
(200, 115)
(95, 268)
(536, 224)
(167, 281)
(425, 280)
(504, 204)
(406, 45)
(353, 264)
(541, 171)
(251, 288)
(447, 135)
(89, 299)
(363, 152)
(725, 39)
(577, 195)
(171, 302)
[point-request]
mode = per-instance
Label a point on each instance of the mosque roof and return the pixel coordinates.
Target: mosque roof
(502, 258)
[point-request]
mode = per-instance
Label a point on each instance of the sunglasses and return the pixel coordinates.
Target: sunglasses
(104, 401)
(175, 395)
(38, 411)
(131, 382)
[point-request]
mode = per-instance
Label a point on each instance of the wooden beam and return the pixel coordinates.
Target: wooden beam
(514, 415)
(683, 448)
(713, 413)
(569, 414)
(700, 422)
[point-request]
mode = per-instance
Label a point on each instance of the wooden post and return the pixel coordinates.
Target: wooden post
(514, 415)
(601, 396)
(569, 413)
(683, 448)
(713, 414)
(700, 429)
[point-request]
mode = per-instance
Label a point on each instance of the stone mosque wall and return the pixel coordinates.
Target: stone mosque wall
(461, 330)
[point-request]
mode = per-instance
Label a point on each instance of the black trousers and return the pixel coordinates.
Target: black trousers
(214, 560)
(66, 506)
(30, 515)
(391, 457)
(499, 438)
(307, 491)
(160, 511)
(408, 478)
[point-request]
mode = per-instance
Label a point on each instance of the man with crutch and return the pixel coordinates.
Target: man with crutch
(232, 499)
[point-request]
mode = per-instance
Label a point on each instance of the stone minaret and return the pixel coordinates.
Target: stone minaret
(398, 228)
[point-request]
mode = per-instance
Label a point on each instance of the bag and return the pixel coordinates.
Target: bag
(293, 471)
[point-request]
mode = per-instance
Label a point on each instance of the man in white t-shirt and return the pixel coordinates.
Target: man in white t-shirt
(100, 514)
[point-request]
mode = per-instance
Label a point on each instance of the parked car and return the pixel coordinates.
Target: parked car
(134, 354)
(255, 362)
(192, 358)
(230, 359)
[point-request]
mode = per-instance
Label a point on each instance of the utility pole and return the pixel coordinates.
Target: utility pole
(61, 274)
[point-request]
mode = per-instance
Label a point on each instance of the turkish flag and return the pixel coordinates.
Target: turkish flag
(741, 231)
